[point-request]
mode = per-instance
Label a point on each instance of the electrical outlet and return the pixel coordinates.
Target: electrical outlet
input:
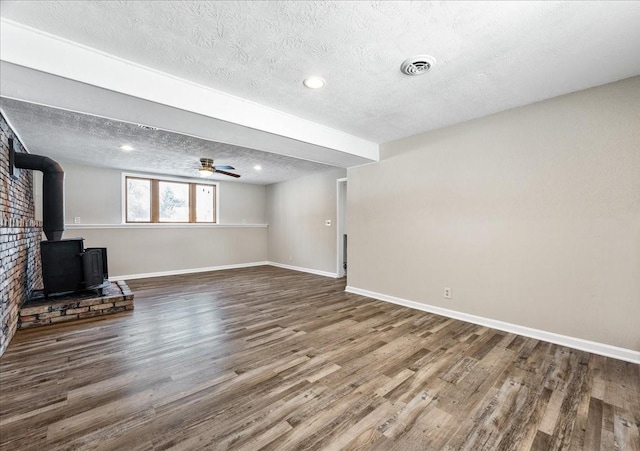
(290, 258)
(447, 293)
(76, 220)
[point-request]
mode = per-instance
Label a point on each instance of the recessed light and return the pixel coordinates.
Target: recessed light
(126, 147)
(257, 167)
(313, 82)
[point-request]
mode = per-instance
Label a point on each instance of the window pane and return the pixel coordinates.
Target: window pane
(138, 200)
(205, 203)
(173, 202)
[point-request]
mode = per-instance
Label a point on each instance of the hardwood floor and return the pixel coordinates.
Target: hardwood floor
(265, 358)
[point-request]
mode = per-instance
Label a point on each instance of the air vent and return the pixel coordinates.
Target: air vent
(417, 65)
(146, 127)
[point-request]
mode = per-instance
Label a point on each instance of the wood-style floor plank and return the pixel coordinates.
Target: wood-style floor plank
(271, 359)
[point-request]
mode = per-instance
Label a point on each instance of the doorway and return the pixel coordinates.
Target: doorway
(341, 229)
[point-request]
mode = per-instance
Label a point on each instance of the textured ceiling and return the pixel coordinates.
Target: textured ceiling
(491, 56)
(96, 141)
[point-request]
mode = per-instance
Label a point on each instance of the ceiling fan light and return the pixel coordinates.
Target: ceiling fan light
(205, 172)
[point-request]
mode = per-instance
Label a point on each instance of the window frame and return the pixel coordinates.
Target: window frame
(155, 199)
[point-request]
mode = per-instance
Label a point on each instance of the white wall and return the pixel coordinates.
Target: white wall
(95, 195)
(531, 216)
(297, 210)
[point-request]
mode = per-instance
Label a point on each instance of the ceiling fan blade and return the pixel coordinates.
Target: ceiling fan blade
(224, 167)
(228, 173)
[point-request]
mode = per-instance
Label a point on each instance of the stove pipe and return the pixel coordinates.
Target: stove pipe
(52, 191)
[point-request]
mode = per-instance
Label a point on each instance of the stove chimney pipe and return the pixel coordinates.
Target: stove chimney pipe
(52, 191)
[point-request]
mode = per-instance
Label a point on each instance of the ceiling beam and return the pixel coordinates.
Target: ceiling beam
(67, 66)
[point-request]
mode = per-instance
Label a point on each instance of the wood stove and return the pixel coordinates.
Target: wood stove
(68, 266)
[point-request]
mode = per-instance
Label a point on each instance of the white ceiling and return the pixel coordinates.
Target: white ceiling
(491, 56)
(95, 141)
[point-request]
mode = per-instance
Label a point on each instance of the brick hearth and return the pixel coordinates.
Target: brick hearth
(116, 298)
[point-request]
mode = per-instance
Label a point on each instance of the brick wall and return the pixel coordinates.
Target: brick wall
(20, 236)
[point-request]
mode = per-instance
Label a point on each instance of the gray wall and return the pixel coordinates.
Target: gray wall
(95, 195)
(296, 216)
(531, 216)
(133, 251)
(297, 211)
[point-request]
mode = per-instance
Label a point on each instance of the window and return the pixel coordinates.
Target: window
(155, 200)
(138, 200)
(173, 202)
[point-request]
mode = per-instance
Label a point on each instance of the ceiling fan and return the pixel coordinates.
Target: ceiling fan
(207, 168)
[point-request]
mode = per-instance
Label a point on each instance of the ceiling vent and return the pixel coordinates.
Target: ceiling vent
(146, 127)
(417, 65)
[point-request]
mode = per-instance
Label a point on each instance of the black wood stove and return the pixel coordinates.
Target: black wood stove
(68, 266)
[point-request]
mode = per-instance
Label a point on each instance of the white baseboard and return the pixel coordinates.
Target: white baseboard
(176, 272)
(615, 352)
(301, 269)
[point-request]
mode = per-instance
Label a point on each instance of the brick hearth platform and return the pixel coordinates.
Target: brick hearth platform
(42, 312)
